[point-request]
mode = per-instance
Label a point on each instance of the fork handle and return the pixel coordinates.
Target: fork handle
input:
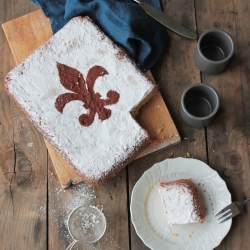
(245, 201)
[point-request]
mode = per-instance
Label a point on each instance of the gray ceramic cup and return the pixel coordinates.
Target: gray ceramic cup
(199, 105)
(213, 52)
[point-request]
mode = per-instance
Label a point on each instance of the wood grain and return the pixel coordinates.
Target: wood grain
(25, 34)
(174, 72)
(32, 203)
(112, 197)
(59, 204)
(23, 175)
(226, 137)
(66, 175)
(154, 116)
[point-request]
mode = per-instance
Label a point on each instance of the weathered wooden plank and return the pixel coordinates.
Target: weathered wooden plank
(226, 137)
(174, 72)
(23, 175)
(112, 197)
(62, 202)
(66, 175)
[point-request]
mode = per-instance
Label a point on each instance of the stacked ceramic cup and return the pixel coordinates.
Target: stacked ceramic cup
(200, 102)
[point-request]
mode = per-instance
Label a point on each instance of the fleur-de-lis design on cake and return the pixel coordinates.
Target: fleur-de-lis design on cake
(83, 91)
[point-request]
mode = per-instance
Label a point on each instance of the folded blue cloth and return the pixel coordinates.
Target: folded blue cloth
(124, 21)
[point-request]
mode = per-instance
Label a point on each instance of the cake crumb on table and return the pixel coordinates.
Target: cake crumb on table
(160, 128)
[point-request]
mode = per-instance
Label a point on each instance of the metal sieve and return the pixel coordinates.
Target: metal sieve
(86, 224)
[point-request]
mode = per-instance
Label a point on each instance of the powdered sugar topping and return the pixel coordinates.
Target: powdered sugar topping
(179, 204)
(35, 84)
(87, 224)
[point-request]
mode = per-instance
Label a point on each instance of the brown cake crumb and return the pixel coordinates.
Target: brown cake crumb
(120, 55)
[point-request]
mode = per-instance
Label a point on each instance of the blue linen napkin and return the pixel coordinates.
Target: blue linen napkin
(124, 21)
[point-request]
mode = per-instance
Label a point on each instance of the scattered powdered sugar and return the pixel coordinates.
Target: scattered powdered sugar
(41, 210)
(179, 204)
(63, 202)
(81, 194)
(107, 243)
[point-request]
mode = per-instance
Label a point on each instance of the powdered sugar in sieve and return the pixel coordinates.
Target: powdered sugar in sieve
(86, 224)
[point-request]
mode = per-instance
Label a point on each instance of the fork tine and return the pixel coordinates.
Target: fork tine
(229, 217)
(224, 209)
(225, 214)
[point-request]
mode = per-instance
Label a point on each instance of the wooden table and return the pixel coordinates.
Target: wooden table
(33, 206)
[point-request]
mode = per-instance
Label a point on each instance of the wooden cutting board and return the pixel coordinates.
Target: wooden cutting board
(25, 34)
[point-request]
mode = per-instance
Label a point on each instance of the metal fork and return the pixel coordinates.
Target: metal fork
(231, 210)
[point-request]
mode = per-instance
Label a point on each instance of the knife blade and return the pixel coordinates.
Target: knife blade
(165, 20)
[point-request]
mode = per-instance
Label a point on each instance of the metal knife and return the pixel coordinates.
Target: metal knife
(165, 20)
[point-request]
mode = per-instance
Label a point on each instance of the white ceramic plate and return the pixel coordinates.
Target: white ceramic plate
(150, 220)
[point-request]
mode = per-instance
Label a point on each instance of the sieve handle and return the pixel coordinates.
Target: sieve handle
(71, 245)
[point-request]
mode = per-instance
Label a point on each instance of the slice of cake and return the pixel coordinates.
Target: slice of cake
(80, 90)
(181, 201)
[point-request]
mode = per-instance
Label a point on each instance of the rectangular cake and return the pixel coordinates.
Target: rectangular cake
(82, 91)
